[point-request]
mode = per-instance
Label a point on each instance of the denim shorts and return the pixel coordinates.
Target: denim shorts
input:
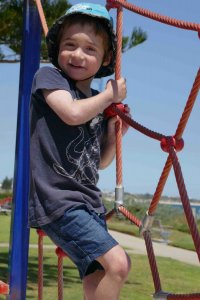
(83, 235)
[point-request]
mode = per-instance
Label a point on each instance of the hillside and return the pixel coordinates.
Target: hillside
(131, 199)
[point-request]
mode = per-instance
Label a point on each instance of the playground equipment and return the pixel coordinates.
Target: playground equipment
(171, 144)
(4, 288)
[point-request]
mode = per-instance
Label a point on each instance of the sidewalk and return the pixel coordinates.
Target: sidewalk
(137, 246)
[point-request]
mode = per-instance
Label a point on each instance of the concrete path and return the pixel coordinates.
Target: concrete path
(137, 246)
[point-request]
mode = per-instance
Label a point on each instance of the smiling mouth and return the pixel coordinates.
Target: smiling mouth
(76, 67)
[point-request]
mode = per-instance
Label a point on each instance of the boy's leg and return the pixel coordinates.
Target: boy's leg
(106, 284)
(83, 235)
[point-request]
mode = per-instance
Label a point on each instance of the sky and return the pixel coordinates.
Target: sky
(159, 75)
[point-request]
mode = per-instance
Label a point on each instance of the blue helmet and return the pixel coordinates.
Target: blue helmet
(94, 11)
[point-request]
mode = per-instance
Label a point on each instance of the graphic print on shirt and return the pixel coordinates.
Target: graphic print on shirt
(82, 155)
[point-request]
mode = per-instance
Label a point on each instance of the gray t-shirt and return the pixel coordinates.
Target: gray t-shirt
(64, 160)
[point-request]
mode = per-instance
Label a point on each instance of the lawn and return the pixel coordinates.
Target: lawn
(176, 277)
(138, 287)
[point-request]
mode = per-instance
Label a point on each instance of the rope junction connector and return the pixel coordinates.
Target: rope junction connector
(110, 111)
(119, 197)
(146, 223)
(160, 295)
(171, 141)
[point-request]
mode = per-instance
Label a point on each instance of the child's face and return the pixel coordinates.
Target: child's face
(81, 52)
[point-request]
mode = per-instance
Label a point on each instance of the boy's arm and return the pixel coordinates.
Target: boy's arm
(79, 112)
(108, 150)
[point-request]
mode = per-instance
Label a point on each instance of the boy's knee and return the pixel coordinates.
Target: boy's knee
(121, 267)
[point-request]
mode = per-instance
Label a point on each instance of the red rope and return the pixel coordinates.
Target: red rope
(60, 277)
(180, 129)
(152, 261)
(60, 253)
(185, 200)
(119, 179)
(42, 16)
(189, 106)
(172, 158)
(160, 186)
(41, 235)
(118, 130)
(155, 16)
(129, 216)
(137, 126)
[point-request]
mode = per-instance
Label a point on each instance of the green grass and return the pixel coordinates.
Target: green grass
(176, 277)
(4, 228)
(123, 226)
(72, 283)
(5, 221)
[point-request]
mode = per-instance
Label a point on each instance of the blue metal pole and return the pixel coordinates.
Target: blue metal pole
(19, 233)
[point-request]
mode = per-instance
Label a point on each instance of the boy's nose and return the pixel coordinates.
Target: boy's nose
(78, 53)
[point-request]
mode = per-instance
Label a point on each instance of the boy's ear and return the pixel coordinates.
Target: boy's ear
(107, 59)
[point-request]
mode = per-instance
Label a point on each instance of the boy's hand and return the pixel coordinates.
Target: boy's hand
(116, 89)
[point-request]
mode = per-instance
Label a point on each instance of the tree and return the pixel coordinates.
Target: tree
(7, 184)
(137, 37)
(11, 18)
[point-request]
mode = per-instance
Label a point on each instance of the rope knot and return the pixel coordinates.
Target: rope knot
(110, 111)
(171, 141)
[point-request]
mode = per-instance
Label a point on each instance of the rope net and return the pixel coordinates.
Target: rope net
(170, 144)
(60, 255)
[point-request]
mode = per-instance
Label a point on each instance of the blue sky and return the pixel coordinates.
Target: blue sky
(159, 74)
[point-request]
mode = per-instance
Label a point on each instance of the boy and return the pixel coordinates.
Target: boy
(71, 140)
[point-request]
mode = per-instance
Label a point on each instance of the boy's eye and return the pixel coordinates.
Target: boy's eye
(69, 45)
(91, 49)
